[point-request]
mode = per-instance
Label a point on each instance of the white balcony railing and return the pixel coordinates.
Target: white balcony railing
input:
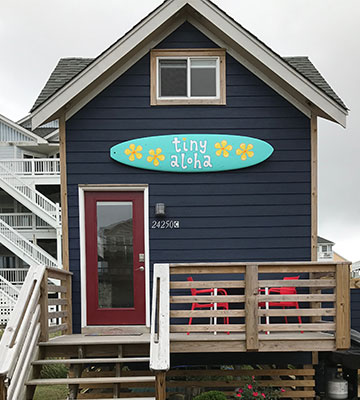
(14, 275)
(33, 166)
(24, 221)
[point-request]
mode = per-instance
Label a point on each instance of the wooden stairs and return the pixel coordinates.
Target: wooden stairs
(95, 367)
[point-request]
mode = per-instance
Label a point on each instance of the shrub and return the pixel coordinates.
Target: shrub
(253, 391)
(212, 395)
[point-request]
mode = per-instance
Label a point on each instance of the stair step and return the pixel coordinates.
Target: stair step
(92, 361)
(89, 381)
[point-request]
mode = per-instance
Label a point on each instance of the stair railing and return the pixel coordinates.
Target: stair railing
(33, 196)
(29, 324)
(35, 254)
(33, 166)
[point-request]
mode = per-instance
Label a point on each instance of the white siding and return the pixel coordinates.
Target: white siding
(9, 134)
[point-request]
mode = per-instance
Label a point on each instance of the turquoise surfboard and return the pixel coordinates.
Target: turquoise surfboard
(192, 153)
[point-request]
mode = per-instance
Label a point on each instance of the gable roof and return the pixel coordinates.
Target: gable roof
(68, 68)
(296, 83)
(12, 132)
(321, 240)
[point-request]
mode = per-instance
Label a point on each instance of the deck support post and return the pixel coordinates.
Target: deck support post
(342, 307)
(251, 307)
(160, 385)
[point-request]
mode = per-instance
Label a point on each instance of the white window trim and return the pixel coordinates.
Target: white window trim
(188, 54)
(188, 78)
(113, 188)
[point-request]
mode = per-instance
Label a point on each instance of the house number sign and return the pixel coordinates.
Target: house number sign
(192, 153)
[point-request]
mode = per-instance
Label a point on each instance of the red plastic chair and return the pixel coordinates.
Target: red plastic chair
(284, 291)
(195, 292)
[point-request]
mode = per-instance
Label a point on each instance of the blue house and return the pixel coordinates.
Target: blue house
(189, 168)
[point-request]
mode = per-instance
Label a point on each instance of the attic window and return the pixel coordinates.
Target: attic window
(188, 77)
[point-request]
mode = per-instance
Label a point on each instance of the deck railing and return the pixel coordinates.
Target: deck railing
(24, 221)
(33, 166)
(256, 312)
(30, 323)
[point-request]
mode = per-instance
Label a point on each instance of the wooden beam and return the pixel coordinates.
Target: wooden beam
(342, 307)
(160, 385)
(44, 309)
(63, 192)
(251, 307)
(314, 187)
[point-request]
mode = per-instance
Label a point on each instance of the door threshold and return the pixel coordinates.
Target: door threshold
(113, 330)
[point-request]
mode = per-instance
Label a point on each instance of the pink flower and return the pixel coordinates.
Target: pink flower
(253, 377)
(241, 391)
(238, 395)
(255, 394)
(263, 395)
(282, 390)
(249, 386)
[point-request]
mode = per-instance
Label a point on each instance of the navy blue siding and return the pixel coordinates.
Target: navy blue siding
(261, 213)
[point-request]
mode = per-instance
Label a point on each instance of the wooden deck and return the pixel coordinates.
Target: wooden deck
(206, 342)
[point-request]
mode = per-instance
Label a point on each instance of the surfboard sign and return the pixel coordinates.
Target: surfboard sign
(192, 153)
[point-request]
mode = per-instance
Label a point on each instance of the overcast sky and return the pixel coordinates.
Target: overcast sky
(34, 34)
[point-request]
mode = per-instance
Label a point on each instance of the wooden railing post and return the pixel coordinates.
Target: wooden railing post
(342, 306)
(160, 385)
(68, 295)
(251, 307)
(44, 308)
(3, 388)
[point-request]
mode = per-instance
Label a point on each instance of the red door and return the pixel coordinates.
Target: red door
(115, 269)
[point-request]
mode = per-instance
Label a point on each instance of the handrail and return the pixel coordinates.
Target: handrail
(14, 334)
(34, 252)
(33, 166)
(11, 290)
(160, 320)
(51, 209)
(28, 324)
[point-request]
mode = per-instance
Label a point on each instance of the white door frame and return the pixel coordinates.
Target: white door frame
(113, 188)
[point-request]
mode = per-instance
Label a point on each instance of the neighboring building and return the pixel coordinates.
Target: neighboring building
(355, 270)
(188, 89)
(325, 249)
(29, 196)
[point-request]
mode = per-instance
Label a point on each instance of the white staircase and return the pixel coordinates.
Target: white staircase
(29, 196)
(8, 298)
(23, 248)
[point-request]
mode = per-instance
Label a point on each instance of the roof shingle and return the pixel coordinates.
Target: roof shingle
(68, 68)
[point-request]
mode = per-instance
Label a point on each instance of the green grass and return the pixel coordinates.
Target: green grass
(55, 392)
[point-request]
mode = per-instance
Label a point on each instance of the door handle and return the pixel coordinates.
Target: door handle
(140, 269)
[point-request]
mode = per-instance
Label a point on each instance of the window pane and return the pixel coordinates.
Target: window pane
(201, 63)
(115, 254)
(173, 80)
(203, 81)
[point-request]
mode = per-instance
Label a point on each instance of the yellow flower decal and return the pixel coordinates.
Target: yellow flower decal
(155, 156)
(245, 151)
(133, 152)
(223, 147)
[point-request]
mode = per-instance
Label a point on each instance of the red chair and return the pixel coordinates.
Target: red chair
(284, 291)
(195, 292)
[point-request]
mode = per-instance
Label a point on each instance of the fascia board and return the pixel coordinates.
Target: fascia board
(105, 61)
(271, 60)
(24, 131)
(52, 134)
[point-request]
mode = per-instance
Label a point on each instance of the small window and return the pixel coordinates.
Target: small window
(187, 77)
(324, 248)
